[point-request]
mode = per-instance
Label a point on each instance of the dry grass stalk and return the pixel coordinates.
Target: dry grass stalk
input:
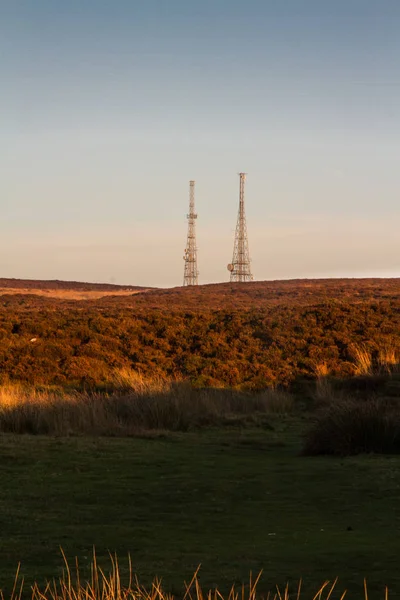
(164, 406)
(102, 585)
(321, 369)
(386, 361)
(362, 360)
(388, 358)
(127, 379)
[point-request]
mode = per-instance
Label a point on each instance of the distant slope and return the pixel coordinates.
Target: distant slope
(260, 294)
(230, 296)
(64, 285)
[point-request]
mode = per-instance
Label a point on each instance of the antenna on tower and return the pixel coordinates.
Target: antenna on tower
(191, 273)
(240, 266)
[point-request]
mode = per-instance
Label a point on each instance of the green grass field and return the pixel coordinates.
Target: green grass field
(233, 500)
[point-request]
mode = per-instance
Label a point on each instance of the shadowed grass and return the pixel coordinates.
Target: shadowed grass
(232, 500)
(355, 426)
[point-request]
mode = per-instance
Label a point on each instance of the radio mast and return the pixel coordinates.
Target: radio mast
(191, 273)
(240, 266)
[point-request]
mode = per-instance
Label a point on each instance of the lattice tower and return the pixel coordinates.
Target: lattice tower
(239, 268)
(191, 273)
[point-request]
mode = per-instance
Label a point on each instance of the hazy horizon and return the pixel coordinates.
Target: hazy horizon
(109, 109)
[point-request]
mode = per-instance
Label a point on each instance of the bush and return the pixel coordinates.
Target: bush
(354, 427)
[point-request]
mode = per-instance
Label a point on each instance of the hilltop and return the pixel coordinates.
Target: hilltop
(219, 296)
(64, 290)
(56, 284)
(260, 294)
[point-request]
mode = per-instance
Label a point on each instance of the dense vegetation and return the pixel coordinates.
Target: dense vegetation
(275, 335)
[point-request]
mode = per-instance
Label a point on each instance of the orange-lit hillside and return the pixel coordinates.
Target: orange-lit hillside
(250, 335)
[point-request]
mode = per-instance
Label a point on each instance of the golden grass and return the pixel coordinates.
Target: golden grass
(108, 585)
(362, 360)
(388, 358)
(139, 406)
(62, 294)
(321, 369)
(127, 379)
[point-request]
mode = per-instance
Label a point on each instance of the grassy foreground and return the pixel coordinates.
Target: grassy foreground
(108, 585)
(231, 500)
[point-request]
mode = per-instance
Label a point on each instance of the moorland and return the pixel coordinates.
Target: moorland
(243, 336)
(240, 427)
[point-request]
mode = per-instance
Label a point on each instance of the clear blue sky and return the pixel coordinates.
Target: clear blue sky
(109, 107)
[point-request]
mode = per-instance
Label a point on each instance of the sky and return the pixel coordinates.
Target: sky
(109, 107)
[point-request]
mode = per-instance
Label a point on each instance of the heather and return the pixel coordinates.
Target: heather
(219, 336)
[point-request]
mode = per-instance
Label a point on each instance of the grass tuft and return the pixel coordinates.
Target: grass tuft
(362, 360)
(388, 358)
(128, 380)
